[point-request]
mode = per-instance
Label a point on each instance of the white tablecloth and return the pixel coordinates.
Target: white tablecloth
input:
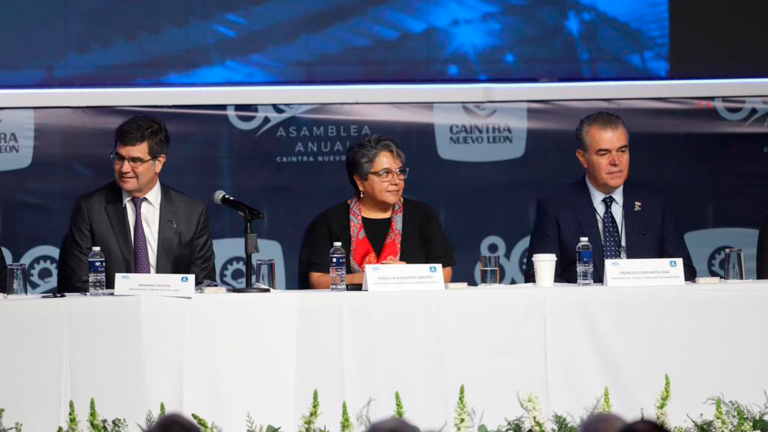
(221, 356)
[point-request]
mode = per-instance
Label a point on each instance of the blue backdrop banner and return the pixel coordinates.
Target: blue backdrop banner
(480, 166)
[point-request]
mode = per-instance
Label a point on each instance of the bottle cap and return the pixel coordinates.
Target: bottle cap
(581, 239)
(336, 244)
(96, 248)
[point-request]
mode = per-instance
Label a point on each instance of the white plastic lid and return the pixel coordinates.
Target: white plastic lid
(581, 239)
(336, 244)
(96, 248)
(544, 257)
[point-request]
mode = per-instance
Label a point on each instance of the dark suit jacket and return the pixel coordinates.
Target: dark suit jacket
(3, 274)
(99, 219)
(651, 232)
(762, 250)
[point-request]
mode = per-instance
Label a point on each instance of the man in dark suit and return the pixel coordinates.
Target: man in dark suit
(3, 273)
(141, 225)
(621, 219)
(762, 250)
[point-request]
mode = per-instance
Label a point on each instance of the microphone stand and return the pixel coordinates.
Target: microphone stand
(251, 247)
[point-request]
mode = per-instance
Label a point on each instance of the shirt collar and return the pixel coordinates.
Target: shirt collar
(153, 196)
(597, 196)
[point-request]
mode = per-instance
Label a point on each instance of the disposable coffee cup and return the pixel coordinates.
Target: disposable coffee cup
(544, 269)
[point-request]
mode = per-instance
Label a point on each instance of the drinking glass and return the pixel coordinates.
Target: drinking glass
(17, 279)
(265, 273)
(734, 264)
(489, 270)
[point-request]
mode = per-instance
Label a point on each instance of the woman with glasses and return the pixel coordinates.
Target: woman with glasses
(377, 225)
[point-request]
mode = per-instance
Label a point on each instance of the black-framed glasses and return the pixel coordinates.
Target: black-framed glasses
(134, 162)
(386, 175)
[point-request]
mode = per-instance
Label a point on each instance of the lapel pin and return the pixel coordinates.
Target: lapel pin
(638, 206)
(174, 225)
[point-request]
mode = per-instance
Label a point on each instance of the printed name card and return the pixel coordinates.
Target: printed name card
(148, 284)
(644, 272)
(403, 277)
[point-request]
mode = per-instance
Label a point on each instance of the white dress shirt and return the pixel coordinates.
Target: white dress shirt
(616, 208)
(150, 218)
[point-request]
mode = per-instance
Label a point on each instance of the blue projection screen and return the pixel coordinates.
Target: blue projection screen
(187, 42)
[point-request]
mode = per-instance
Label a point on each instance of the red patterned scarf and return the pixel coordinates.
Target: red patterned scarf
(362, 252)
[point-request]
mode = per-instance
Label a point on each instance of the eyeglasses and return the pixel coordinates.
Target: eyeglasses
(118, 160)
(386, 175)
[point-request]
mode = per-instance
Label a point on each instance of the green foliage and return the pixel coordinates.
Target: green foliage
(562, 423)
(721, 420)
(399, 410)
(73, 424)
(532, 408)
(203, 424)
(150, 419)
(515, 425)
(607, 406)
(2, 428)
(728, 416)
(117, 425)
(461, 419)
(94, 421)
(346, 422)
(309, 420)
(662, 417)
(252, 426)
(363, 416)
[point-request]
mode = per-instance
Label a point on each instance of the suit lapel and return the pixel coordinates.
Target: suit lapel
(585, 213)
(118, 220)
(167, 231)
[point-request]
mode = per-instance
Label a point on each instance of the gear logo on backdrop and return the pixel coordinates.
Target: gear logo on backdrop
(708, 246)
(17, 138)
(42, 267)
(513, 266)
(716, 262)
(481, 132)
(232, 272)
(230, 261)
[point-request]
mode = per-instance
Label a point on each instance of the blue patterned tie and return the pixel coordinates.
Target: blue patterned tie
(140, 251)
(611, 240)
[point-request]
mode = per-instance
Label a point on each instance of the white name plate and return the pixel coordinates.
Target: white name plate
(403, 277)
(644, 272)
(148, 284)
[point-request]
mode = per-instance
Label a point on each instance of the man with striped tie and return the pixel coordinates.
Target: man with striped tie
(142, 226)
(622, 219)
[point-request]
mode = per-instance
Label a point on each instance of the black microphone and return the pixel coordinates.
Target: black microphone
(246, 211)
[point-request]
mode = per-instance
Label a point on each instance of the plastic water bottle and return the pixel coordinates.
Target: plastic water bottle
(584, 262)
(338, 269)
(97, 279)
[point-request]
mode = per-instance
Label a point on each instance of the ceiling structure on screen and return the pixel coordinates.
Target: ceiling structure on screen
(195, 42)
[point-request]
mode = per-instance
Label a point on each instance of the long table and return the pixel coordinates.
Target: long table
(223, 356)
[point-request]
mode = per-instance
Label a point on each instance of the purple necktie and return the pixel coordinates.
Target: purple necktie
(140, 251)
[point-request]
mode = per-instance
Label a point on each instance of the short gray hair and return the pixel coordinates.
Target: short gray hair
(361, 156)
(601, 119)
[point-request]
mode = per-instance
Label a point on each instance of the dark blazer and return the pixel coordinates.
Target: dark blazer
(3, 274)
(762, 250)
(651, 231)
(99, 219)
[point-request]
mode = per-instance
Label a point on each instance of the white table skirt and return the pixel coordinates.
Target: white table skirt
(221, 356)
